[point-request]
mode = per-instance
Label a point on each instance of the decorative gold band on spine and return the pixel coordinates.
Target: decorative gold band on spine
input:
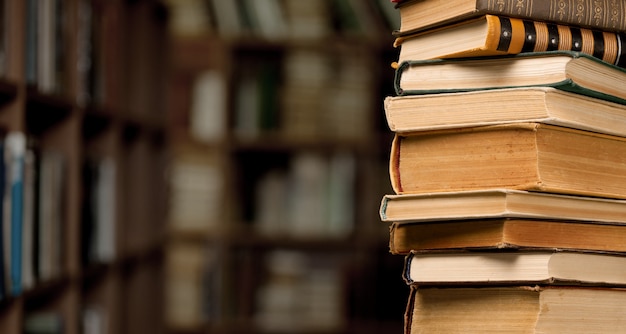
(610, 47)
(588, 42)
(541, 30)
(565, 37)
(518, 37)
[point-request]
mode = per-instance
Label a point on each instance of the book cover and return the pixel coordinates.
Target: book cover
(515, 267)
(500, 203)
(505, 233)
(492, 35)
(426, 112)
(417, 15)
(515, 309)
(524, 156)
(569, 71)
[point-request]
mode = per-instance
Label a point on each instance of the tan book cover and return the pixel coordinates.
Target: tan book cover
(500, 203)
(412, 113)
(524, 156)
(516, 309)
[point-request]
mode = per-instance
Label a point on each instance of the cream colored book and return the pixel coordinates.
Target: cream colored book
(548, 105)
(516, 309)
(521, 267)
(499, 203)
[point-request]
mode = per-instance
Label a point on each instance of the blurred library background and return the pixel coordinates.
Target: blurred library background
(196, 166)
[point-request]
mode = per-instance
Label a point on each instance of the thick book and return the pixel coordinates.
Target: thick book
(500, 203)
(412, 113)
(417, 15)
(569, 71)
(515, 309)
(518, 267)
(492, 35)
(505, 233)
(525, 156)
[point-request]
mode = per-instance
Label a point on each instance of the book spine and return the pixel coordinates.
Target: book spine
(515, 36)
(16, 145)
(599, 14)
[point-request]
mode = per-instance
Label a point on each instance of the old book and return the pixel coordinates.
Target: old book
(491, 35)
(525, 156)
(500, 203)
(520, 268)
(570, 71)
(418, 15)
(516, 309)
(505, 233)
(411, 113)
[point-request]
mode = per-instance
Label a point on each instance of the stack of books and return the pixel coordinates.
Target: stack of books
(508, 165)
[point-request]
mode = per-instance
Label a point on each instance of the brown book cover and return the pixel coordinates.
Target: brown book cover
(524, 156)
(491, 35)
(416, 15)
(505, 233)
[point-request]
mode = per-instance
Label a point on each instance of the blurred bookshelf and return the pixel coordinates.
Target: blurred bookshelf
(279, 154)
(82, 117)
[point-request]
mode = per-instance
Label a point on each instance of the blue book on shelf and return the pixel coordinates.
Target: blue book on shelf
(2, 245)
(16, 148)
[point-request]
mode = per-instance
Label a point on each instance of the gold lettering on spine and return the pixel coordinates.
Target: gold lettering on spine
(614, 14)
(561, 9)
(500, 4)
(520, 5)
(580, 10)
(598, 11)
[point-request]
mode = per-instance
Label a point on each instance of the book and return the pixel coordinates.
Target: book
(492, 35)
(424, 14)
(515, 309)
(412, 113)
(51, 214)
(569, 71)
(525, 156)
(505, 233)
(14, 151)
(518, 267)
(500, 203)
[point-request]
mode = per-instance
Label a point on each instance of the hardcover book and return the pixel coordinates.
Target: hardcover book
(500, 203)
(416, 15)
(412, 113)
(524, 156)
(516, 309)
(569, 71)
(505, 233)
(492, 35)
(519, 268)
